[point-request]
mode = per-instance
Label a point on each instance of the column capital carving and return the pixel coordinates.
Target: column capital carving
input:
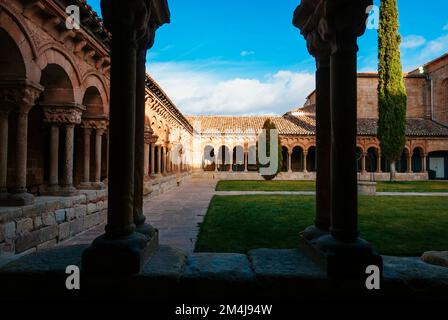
(331, 24)
(63, 113)
(150, 137)
(95, 122)
(19, 95)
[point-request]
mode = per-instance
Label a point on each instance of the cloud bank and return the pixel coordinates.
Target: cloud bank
(196, 91)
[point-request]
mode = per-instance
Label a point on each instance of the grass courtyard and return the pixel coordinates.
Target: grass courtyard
(404, 226)
(296, 185)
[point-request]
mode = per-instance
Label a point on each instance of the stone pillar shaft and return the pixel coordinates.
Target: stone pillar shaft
(146, 167)
(409, 162)
(68, 156)
(153, 150)
(424, 163)
(159, 159)
(305, 154)
(378, 163)
(344, 188)
(363, 163)
(21, 152)
(98, 154)
(3, 150)
(289, 162)
(87, 134)
(54, 155)
(323, 145)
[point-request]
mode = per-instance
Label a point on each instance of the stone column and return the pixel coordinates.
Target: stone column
(122, 250)
(153, 150)
(67, 187)
(98, 154)
(54, 157)
(146, 167)
(159, 160)
(305, 154)
(363, 163)
(246, 160)
(145, 42)
(424, 163)
(86, 177)
(409, 162)
(165, 162)
(231, 161)
(216, 159)
(378, 163)
(3, 152)
(289, 168)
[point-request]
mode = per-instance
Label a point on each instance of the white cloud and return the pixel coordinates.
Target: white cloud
(202, 92)
(412, 41)
(247, 53)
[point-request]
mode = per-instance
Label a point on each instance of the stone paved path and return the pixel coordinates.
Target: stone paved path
(178, 212)
(175, 213)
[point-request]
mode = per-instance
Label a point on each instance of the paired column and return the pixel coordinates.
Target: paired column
(87, 133)
(3, 152)
(363, 162)
(378, 163)
(246, 160)
(305, 154)
(146, 166)
(98, 155)
(289, 161)
(159, 159)
(409, 162)
(153, 159)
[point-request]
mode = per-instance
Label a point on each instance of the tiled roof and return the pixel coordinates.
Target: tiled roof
(287, 125)
(305, 125)
(414, 128)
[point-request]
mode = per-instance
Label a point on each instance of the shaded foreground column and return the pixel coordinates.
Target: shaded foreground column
(323, 149)
(121, 250)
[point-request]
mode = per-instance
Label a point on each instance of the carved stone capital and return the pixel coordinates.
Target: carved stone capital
(68, 113)
(95, 122)
(19, 95)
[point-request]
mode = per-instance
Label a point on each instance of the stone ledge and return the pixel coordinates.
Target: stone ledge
(170, 275)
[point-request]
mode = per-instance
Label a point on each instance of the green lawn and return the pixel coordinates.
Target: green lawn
(405, 226)
(297, 185)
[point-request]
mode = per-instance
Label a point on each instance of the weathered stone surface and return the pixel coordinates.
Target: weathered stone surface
(167, 262)
(275, 264)
(37, 223)
(60, 215)
(91, 208)
(27, 241)
(48, 233)
(415, 273)
(439, 258)
(64, 231)
(218, 266)
(92, 220)
(48, 219)
(80, 211)
(46, 245)
(48, 260)
(70, 214)
(24, 225)
(76, 226)
(8, 230)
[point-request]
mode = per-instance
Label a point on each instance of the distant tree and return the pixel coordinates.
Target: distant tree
(392, 97)
(268, 126)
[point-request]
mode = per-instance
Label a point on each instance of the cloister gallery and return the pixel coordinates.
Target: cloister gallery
(81, 145)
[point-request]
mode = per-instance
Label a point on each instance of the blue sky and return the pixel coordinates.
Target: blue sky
(245, 57)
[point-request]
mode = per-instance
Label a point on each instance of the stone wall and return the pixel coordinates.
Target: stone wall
(158, 185)
(50, 220)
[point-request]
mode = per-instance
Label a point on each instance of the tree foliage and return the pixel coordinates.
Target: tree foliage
(391, 89)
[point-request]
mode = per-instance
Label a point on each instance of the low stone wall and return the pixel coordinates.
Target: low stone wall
(50, 220)
(157, 185)
(384, 176)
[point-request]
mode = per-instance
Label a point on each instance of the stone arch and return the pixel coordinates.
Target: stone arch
(93, 79)
(93, 102)
(50, 54)
(208, 159)
(297, 158)
(417, 163)
(372, 155)
(58, 85)
(238, 158)
(12, 64)
(14, 27)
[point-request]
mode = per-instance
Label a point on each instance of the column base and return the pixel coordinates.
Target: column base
(85, 185)
(313, 232)
(343, 261)
(92, 186)
(16, 199)
(124, 256)
(67, 191)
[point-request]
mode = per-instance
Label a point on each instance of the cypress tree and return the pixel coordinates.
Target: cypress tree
(392, 97)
